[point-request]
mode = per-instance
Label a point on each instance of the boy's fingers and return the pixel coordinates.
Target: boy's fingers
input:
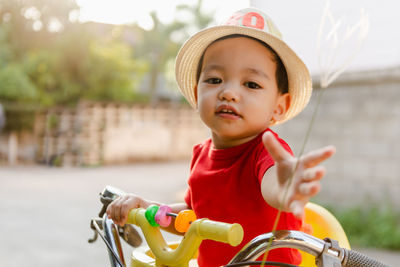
(315, 157)
(315, 173)
(276, 150)
(297, 208)
(309, 189)
(116, 210)
(108, 211)
(125, 208)
(115, 213)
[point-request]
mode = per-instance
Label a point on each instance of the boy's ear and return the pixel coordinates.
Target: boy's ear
(282, 106)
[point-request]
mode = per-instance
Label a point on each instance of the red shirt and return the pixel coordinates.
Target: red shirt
(224, 185)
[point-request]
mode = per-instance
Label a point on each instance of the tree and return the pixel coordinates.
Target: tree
(82, 65)
(160, 44)
(73, 61)
(16, 89)
(200, 19)
(112, 74)
(15, 85)
(58, 67)
(5, 48)
(157, 48)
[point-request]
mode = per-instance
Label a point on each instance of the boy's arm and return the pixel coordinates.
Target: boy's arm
(277, 187)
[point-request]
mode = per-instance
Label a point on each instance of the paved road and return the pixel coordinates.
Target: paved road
(45, 212)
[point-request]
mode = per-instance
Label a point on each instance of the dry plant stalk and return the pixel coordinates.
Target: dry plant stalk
(330, 69)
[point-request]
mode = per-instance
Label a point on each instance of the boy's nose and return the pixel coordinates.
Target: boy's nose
(229, 93)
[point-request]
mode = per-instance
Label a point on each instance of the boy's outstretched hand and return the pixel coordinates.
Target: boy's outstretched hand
(282, 188)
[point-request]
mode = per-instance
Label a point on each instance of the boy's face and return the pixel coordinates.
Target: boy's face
(237, 92)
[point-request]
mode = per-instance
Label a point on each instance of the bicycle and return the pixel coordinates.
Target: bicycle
(325, 252)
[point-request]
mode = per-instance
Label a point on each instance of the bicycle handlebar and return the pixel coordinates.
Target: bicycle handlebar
(356, 259)
(200, 229)
(304, 242)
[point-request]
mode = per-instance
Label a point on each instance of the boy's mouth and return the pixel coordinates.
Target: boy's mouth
(227, 111)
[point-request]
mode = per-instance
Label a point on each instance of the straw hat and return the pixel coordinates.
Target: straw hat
(251, 22)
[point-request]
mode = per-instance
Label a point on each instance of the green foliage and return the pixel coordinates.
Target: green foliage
(61, 68)
(15, 85)
(374, 226)
(40, 69)
(110, 72)
(5, 47)
(79, 66)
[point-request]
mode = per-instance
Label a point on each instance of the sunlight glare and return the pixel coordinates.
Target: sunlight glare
(126, 12)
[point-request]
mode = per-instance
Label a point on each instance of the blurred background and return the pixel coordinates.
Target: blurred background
(88, 98)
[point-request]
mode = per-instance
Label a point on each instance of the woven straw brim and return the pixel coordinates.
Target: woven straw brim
(300, 86)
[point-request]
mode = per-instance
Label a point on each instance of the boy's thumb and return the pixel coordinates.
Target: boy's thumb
(274, 147)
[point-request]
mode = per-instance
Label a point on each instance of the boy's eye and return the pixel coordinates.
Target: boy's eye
(252, 85)
(213, 80)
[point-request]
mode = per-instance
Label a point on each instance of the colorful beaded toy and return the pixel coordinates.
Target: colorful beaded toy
(161, 216)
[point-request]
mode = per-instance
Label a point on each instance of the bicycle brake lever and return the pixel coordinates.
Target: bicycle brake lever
(94, 238)
(130, 235)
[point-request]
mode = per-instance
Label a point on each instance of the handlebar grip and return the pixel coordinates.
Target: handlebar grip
(356, 259)
(221, 232)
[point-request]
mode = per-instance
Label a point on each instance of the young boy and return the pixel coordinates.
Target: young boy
(242, 79)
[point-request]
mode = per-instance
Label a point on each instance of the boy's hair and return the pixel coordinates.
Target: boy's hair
(280, 73)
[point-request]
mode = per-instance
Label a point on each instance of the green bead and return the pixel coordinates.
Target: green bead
(150, 215)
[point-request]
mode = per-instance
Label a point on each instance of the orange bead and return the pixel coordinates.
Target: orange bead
(184, 219)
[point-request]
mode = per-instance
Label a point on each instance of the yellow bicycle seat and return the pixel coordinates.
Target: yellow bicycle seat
(320, 223)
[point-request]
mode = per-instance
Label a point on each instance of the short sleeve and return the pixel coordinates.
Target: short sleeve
(263, 163)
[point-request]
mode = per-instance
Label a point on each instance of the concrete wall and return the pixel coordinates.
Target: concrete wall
(147, 133)
(360, 115)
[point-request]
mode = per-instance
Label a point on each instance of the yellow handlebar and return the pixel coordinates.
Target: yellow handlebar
(198, 230)
(231, 234)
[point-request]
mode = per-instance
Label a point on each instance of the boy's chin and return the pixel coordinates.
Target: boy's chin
(231, 138)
